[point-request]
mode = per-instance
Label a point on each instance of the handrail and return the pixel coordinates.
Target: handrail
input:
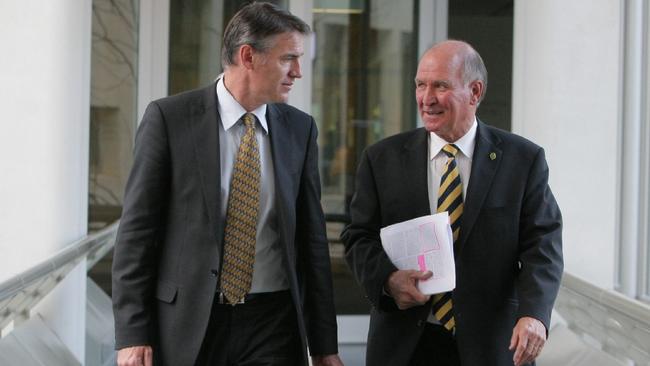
(21, 292)
(620, 324)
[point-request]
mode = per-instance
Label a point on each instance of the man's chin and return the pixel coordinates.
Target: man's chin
(431, 126)
(281, 98)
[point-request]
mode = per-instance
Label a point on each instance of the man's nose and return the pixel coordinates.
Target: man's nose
(429, 96)
(294, 72)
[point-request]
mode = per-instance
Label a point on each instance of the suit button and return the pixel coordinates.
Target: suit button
(420, 323)
(214, 272)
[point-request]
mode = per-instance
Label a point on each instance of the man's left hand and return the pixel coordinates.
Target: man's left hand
(528, 338)
(327, 360)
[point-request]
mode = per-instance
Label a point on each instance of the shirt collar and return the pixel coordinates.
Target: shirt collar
(465, 144)
(231, 111)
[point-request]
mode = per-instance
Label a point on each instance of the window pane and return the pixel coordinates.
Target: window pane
(113, 112)
(488, 26)
(195, 33)
(362, 91)
(362, 84)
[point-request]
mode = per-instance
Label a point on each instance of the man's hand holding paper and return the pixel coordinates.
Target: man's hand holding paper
(402, 287)
(422, 250)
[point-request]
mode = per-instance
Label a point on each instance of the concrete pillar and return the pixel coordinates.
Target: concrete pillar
(44, 101)
(567, 72)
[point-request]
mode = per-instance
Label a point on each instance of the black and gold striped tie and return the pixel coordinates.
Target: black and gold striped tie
(241, 217)
(450, 199)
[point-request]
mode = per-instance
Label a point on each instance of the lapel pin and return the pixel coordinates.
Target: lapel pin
(493, 155)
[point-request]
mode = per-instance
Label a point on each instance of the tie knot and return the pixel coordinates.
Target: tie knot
(249, 120)
(450, 150)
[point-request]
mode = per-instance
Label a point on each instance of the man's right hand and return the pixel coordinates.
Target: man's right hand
(135, 356)
(402, 286)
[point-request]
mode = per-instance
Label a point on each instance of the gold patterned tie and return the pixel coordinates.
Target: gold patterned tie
(241, 217)
(450, 199)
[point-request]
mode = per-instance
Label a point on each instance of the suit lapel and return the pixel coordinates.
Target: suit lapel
(204, 124)
(485, 163)
(415, 165)
(282, 155)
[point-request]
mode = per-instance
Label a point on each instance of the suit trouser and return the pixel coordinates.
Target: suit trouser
(437, 347)
(261, 332)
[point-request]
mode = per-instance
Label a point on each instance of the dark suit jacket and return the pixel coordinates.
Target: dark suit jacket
(508, 255)
(168, 249)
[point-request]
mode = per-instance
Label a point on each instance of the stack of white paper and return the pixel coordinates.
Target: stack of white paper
(425, 244)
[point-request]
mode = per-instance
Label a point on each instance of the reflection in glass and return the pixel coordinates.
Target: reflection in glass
(113, 114)
(113, 106)
(195, 33)
(362, 84)
(488, 26)
(363, 91)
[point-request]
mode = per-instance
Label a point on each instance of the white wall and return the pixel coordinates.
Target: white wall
(566, 75)
(44, 104)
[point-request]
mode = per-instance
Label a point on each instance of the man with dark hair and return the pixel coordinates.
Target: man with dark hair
(221, 257)
(505, 222)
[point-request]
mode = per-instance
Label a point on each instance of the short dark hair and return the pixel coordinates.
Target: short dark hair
(255, 24)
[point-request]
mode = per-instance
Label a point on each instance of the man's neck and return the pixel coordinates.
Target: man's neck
(237, 86)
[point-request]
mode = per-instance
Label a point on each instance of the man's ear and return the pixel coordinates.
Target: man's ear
(246, 53)
(477, 88)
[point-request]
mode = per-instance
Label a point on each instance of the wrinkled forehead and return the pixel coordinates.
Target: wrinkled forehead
(441, 64)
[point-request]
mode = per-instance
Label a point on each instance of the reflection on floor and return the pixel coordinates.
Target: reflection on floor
(353, 355)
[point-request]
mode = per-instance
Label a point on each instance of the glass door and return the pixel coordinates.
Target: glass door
(362, 91)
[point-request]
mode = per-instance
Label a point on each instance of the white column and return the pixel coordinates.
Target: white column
(566, 97)
(632, 104)
(433, 23)
(45, 104)
(153, 52)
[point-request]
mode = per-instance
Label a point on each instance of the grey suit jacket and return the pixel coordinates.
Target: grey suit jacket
(168, 249)
(508, 255)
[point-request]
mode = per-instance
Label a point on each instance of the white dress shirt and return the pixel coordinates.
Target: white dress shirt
(268, 274)
(437, 160)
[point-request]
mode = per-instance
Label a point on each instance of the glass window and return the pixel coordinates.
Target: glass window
(113, 114)
(362, 91)
(195, 33)
(114, 63)
(488, 26)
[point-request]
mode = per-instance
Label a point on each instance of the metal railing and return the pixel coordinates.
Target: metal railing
(619, 325)
(19, 294)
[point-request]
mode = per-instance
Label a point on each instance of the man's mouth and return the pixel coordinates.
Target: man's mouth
(433, 113)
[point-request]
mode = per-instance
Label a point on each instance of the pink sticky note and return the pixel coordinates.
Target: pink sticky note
(423, 266)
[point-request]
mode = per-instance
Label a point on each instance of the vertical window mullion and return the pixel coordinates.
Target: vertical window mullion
(630, 160)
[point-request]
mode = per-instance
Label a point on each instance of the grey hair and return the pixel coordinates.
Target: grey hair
(255, 25)
(474, 69)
